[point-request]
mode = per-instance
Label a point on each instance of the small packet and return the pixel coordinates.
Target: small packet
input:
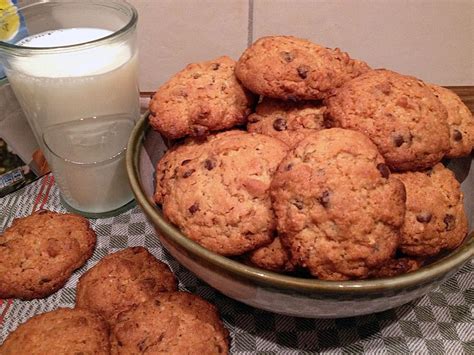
(11, 181)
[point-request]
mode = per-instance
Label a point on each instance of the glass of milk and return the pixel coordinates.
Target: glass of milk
(75, 74)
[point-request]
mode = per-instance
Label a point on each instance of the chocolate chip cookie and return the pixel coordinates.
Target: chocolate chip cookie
(399, 113)
(121, 280)
(460, 121)
(63, 331)
(39, 253)
(396, 266)
(338, 207)
(435, 218)
(286, 67)
(217, 191)
(273, 257)
(288, 121)
(171, 323)
(203, 97)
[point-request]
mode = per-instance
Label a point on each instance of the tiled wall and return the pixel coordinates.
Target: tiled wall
(431, 39)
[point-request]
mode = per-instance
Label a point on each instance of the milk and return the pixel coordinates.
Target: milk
(58, 89)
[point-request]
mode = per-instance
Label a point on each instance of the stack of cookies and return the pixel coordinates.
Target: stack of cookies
(299, 159)
(128, 303)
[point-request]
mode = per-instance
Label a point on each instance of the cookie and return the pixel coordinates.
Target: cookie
(396, 266)
(435, 218)
(460, 121)
(62, 331)
(399, 113)
(273, 257)
(339, 209)
(39, 253)
(290, 68)
(203, 97)
(217, 191)
(288, 121)
(171, 323)
(121, 280)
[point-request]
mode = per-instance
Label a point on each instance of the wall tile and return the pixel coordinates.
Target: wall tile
(431, 39)
(173, 33)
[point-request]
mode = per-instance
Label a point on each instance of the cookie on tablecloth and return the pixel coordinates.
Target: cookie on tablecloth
(62, 331)
(338, 208)
(122, 280)
(286, 67)
(171, 323)
(38, 253)
(217, 191)
(288, 121)
(460, 121)
(435, 219)
(399, 113)
(203, 97)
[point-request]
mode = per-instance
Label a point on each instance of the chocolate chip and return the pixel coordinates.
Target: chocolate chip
(450, 222)
(279, 124)
(186, 161)
(199, 131)
(209, 164)
(289, 167)
(149, 283)
(457, 135)
(384, 170)
(384, 87)
(44, 280)
(298, 204)
(188, 173)
(327, 121)
(194, 208)
(287, 56)
(398, 140)
(253, 118)
(215, 66)
(324, 199)
(303, 71)
(196, 75)
(424, 217)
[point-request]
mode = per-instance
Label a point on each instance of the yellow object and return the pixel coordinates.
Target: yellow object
(9, 28)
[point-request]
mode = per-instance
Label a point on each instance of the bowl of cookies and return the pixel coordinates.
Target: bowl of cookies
(301, 181)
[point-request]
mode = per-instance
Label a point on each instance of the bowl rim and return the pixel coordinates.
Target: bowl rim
(271, 279)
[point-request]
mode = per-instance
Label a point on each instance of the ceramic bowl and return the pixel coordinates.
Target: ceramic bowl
(277, 293)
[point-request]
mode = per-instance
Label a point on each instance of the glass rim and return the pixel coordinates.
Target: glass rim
(119, 5)
(94, 163)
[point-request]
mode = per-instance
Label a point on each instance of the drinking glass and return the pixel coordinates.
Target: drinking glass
(75, 75)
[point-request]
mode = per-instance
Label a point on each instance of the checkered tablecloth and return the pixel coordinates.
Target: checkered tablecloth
(438, 323)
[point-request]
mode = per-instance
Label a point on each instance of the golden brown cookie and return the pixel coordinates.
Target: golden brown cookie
(339, 209)
(122, 280)
(171, 323)
(217, 191)
(396, 266)
(286, 67)
(203, 97)
(63, 331)
(460, 121)
(288, 121)
(399, 113)
(435, 218)
(39, 253)
(273, 257)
